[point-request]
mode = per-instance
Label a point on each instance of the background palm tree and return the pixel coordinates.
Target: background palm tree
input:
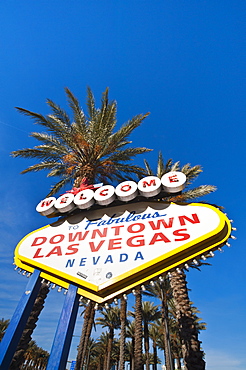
(192, 353)
(81, 150)
(155, 333)
(123, 323)
(18, 358)
(89, 315)
(111, 319)
(150, 313)
(130, 333)
(162, 290)
(138, 334)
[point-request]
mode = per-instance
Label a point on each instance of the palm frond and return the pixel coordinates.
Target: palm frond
(149, 171)
(125, 131)
(90, 104)
(35, 153)
(194, 193)
(60, 114)
(45, 138)
(79, 116)
(59, 185)
(160, 165)
(40, 166)
(175, 166)
(127, 154)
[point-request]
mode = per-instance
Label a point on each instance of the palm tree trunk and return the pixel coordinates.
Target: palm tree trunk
(166, 338)
(123, 305)
(18, 358)
(192, 353)
(110, 346)
(138, 352)
(178, 363)
(88, 332)
(132, 354)
(155, 356)
(146, 345)
(79, 359)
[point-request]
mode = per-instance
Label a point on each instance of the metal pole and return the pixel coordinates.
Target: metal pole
(18, 321)
(64, 332)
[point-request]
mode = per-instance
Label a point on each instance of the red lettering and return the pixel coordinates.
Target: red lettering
(193, 220)
(173, 178)
(46, 203)
(138, 242)
(159, 237)
(37, 255)
(140, 227)
(41, 241)
(79, 235)
(102, 234)
(163, 222)
(146, 183)
(117, 229)
(102, 193)
(113, 242)
(60, 238)
(64, 200)
(55, 250)
(125, 187)
(96, 249)
(180, 232)
(72, 249)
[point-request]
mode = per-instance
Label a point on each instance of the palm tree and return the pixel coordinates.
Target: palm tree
(101, 349)
(18, 358)
(162, 290)
(111, 320)
(86, 149)
(91, 353)
(138, 330)
(154, 333)
(150, 313)
(82, 150)
(192, 354)
(89, 314)
(34, 358)
(130, 333)
(123, 322)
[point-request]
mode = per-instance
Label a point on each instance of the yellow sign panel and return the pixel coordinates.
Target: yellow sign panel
(108, 251)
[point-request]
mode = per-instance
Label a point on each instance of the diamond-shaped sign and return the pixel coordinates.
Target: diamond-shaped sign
(108, 251)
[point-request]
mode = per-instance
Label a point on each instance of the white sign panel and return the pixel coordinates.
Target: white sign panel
(102, 248)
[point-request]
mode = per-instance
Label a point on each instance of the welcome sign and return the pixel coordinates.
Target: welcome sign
(108, 251)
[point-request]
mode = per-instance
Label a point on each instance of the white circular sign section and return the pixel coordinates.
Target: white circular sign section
(84, 199)
(149, 186)
(173, 181)
(126, 191)
(104, 195)
(65, 203)
(46, 207)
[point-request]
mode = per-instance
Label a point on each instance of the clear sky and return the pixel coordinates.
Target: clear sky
(183, 61)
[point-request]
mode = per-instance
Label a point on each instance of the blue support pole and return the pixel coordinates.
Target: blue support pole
(64, 332)
(18, 321)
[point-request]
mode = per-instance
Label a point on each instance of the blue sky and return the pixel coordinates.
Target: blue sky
(182, 61)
